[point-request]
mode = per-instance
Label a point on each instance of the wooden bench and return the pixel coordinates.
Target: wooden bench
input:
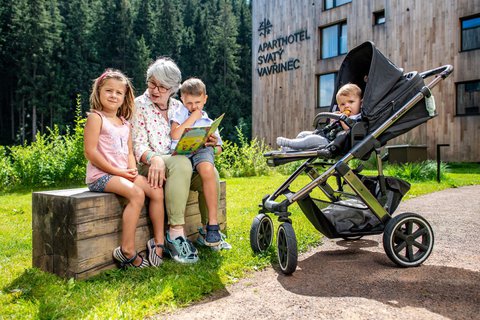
(75, 230)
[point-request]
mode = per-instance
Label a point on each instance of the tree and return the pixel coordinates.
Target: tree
(35, 25)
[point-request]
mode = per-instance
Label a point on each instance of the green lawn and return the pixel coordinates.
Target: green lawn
(28, 293)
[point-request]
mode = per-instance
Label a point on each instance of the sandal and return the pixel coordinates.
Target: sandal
(124, 262)
(154, 259)
(213, 238)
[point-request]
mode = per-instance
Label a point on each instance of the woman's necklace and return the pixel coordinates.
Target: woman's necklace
(156, 105)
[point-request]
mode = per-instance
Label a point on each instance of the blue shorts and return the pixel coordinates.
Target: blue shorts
(203, 155)
(99, 184)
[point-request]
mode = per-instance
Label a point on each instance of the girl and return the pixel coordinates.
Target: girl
(112, 168)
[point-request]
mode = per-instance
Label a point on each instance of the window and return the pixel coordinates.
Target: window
(334, 40)
(326, 86)
(379, 17)
(330, 4)
(468, 98)
(470, 33)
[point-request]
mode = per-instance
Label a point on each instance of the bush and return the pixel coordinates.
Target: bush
(7, 173)
(52, 159)
(245, 160)
(421, 171)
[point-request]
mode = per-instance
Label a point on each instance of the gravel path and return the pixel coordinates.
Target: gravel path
(356, 280)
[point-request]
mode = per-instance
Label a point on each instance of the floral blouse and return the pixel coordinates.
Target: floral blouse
(151, 131)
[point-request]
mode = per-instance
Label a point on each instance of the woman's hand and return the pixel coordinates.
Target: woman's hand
(211, 141)
(156, 172)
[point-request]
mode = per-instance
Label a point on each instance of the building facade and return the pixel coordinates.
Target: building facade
(298, 47)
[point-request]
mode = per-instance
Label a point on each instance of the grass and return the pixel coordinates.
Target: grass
(28, 293)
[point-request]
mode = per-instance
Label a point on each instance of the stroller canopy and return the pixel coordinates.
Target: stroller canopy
(385, 89)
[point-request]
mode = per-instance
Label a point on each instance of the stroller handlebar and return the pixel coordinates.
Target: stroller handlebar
(335, 116)
(444, 71)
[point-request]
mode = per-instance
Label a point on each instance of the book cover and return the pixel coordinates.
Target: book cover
(193, 138)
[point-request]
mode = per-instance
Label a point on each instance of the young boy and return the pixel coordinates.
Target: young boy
(194, 96)
(349, 100)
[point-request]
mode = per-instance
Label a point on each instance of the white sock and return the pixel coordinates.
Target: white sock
(176, 232)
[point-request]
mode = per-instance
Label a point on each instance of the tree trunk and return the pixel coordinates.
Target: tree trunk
(12, 116)
(34, 122)
(22, 121)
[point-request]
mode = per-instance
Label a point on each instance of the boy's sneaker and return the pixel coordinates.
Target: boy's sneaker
(213, 238)
(224, 245)
(180, 249)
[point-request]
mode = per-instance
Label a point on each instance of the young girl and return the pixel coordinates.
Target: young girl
(111, 165)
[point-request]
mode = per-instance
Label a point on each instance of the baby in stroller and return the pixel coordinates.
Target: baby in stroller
(349, 101)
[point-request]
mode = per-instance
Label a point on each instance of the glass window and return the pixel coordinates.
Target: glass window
(468, 98)
(379, 17)
(329, 4)
(334, 40)
(471, 33)
(326, 85)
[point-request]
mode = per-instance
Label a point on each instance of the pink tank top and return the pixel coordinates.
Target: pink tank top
(112, 145)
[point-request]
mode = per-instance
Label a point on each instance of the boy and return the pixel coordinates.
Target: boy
(349, 101)
(194, 96)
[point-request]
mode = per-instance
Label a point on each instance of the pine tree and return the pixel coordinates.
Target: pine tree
(37, 37)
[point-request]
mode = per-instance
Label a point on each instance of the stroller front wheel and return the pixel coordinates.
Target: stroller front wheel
(287, 248)
(408, 239)
(261, 233)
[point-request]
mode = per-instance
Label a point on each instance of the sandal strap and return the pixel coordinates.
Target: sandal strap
(153, 246)
(128, 260)
(141, 263)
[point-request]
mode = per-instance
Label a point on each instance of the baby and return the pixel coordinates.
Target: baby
(349, 100)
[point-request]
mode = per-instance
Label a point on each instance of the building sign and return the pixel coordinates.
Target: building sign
(271, 57)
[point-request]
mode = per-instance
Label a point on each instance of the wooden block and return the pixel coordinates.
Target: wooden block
(75, 230)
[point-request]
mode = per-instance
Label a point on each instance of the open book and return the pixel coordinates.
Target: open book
(193, 138)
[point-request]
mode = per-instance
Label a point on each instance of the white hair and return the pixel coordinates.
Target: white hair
(166, 72)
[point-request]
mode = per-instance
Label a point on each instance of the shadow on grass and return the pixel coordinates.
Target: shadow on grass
(355, 272)
(134, 293)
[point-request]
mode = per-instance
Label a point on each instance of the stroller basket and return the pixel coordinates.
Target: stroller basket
(351, 215)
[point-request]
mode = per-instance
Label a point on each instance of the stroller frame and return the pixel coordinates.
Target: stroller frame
(407, 238)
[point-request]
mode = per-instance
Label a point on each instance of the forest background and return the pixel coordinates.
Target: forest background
(50, 52)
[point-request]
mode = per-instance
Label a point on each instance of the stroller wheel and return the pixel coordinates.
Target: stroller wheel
(408, 239)
(287, 248)
(261, 233)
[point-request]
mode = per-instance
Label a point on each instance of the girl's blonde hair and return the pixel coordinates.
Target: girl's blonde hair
(126, 109)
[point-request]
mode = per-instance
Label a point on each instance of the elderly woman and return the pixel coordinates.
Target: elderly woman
(151, 142)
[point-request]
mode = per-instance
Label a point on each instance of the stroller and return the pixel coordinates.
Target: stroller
(353, 205)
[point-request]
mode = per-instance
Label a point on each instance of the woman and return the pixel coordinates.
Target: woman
(151, 142)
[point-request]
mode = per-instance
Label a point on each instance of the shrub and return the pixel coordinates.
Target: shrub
(7, 173)
(244, 160)
(421, 171)
(52, 159)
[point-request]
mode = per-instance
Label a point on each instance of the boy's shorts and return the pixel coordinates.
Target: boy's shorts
(99, 184)
(203, 155)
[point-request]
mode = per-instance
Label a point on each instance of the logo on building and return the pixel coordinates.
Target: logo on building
(265, 27)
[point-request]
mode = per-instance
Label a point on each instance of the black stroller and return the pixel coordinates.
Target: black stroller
(355, 205)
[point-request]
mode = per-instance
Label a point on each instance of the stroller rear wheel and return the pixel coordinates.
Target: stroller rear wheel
(408, 239)
(261, 233)
(287, 248)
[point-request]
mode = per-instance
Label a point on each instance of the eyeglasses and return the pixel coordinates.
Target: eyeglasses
(160, 88)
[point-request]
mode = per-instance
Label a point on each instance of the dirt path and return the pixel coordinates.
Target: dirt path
(356, 280)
